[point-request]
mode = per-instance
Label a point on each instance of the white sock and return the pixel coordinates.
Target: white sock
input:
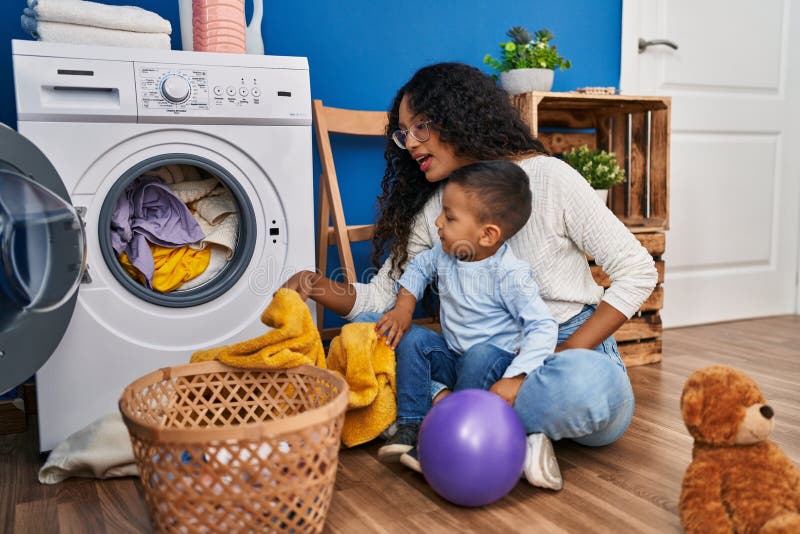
(541, 467)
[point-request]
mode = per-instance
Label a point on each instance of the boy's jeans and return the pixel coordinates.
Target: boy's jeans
(580, 394)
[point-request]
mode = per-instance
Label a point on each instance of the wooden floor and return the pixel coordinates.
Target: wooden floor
(630, 486)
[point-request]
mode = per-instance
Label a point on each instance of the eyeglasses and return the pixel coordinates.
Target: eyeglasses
(418, 130)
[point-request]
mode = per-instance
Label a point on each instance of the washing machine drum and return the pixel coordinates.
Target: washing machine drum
(42, 257)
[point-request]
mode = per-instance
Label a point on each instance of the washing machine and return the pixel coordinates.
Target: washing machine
(93, 122)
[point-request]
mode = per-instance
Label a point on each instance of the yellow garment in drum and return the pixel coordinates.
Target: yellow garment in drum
(173, 266)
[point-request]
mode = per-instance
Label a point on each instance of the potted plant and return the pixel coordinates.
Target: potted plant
(528, 63)
(598, 167)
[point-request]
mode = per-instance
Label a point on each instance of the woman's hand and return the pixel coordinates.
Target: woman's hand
(604, 322)
(334, 295)
(302, 282)
(395, 324)
(507, 388)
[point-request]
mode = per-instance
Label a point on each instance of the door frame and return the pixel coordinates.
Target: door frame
(629, 48)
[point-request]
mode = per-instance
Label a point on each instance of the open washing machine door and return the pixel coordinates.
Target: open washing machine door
(42, 258)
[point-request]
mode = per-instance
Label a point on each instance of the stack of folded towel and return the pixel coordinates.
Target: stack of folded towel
(84, 22)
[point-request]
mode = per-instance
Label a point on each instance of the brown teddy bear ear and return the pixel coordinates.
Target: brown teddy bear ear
(692, 402)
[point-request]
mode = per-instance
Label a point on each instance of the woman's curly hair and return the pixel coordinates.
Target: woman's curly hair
(470, 113)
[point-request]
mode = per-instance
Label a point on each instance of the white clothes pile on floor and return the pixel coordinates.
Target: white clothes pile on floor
(84, 22)
(101, 450)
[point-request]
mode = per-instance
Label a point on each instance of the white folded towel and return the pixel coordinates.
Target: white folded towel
(174, 173)
(57, 32)
(216, 205)
(192, 190)
(85, 13)
(100, 450)
(224, 233)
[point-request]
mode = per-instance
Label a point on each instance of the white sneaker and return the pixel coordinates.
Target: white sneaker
(541, 467)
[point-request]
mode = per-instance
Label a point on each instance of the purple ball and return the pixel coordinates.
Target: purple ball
(472, 447)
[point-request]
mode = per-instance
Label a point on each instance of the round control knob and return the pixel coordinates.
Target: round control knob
(175, 89)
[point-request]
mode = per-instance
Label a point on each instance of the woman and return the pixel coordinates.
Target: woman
(447, 116)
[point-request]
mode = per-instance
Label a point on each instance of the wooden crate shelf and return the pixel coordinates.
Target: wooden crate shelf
(639, 339)
(636, 130)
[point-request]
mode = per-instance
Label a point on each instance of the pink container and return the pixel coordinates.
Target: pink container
(218, 26)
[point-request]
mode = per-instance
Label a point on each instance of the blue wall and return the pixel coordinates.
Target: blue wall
(361, 52)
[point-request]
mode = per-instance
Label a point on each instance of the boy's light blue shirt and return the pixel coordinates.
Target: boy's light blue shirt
(494, 300)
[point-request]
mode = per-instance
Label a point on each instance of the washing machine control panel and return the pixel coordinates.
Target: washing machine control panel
(222, 94)
(172, 90)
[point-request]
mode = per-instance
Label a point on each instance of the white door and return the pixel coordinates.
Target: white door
(732, 246)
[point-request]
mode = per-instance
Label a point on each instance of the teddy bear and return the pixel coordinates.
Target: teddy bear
(738, 480)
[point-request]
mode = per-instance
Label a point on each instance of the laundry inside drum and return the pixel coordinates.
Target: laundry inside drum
(175, 228)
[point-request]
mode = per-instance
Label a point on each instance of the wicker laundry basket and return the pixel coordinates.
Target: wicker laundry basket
(221, 449)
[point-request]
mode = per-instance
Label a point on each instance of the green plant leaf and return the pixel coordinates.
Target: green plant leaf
(519, 35)
(525, 52)
(598, 167)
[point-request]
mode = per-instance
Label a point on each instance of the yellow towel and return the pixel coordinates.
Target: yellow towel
(358, 354)
(368, 365)
(294, 340)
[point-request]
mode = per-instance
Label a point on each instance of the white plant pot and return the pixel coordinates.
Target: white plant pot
(603, 194)
(519, 81)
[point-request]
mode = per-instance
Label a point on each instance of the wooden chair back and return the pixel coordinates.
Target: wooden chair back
(333, 229)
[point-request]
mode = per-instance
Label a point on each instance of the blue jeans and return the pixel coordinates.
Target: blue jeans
(580, 394)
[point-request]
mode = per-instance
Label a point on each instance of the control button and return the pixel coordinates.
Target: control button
(175, 88)
(243, 91)
(255, 91)
(231, 90)
(218, 90)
